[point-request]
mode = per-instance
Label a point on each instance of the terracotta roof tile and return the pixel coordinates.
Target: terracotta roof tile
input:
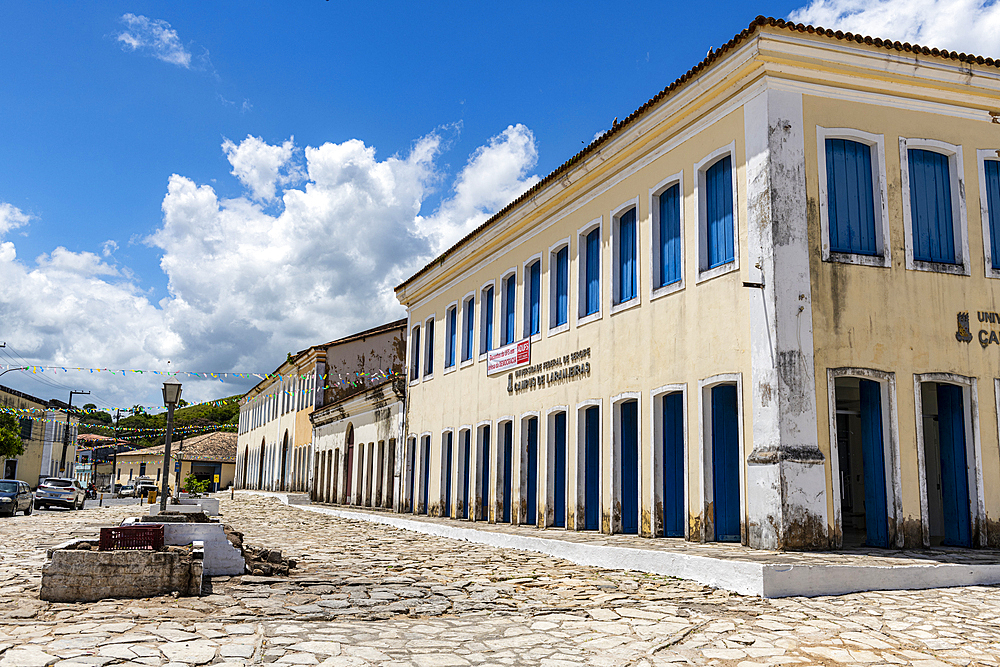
(218, 446)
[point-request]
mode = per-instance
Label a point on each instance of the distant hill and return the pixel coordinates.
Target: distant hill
(204, 415)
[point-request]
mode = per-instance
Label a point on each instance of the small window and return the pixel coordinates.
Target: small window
(486, 328)
(415, 354)
(850, 189)
(668, 228)
(626, 272)
(719, 213)
(508, 309)
(26, 428)
(931, 207)
(451, 318)
(142, 469)
(559, 269)
(468, 327)
(429, 352)
(590, 272)
(533, 299)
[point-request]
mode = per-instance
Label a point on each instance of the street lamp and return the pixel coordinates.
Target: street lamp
(171, 395)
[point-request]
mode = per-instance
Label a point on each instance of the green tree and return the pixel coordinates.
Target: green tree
(10, 437)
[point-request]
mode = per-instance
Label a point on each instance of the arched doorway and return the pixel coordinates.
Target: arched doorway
(260, 473)
(284, 462)
(243, 474)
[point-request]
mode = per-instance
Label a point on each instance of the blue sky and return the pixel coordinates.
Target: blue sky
(185, 181)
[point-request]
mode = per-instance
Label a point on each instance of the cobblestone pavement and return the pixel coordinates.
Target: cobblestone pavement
(368, 594)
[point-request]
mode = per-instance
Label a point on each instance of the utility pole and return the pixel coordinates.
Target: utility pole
(69, 411)
(114, 465)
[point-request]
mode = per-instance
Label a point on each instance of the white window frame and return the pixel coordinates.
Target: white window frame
(415, 349)
(458, 338)
(526, 318)
(581, 264)
(615, 216)
(961, 230)
(462, 363)
(554, 249)
(483, 352)
(973, 448)
(428, 344)
(700, 168)
(512, 271)
(890, 426)
(879, 197)
(654, 477)
(654, 213)
(548, 461)
(705, 461)
(982, 155)
(579, 502)
(616, 457)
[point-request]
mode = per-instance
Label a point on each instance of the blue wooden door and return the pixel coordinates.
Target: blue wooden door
(630, 466)
(559, 486)
(412, 474)
(508, 452)
(673, 465)
(466, 450)
(954, 466)
(426, 472)
(532, 446)
(725, 463)
(873, 460)
(484, 474)
(592, 468)
(447, 473)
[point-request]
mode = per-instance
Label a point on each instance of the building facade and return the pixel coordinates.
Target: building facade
(275, 436)
(358, 430)
(761, 309)
(43, 433)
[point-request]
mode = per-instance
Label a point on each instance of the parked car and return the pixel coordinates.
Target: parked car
(126, 491)
(142, 489)
(60, 491)
(15, 496)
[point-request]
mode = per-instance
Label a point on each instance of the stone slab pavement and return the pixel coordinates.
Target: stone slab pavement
(368, 594)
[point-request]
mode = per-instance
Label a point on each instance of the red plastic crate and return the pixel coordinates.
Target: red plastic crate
(149, 538)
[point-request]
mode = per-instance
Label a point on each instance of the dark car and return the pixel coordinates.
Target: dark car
(15, 496)
(60, 491)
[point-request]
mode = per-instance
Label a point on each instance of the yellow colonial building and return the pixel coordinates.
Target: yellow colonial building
(764, 308)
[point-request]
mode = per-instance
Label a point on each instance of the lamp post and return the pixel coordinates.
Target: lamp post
(171, 395)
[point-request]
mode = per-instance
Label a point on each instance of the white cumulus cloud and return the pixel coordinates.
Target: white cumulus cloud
(11, 217)
(968, 26)
(260, 166)
(290, 263)
(153, 37)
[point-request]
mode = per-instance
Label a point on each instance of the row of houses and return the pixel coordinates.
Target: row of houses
(48, 432)
(761, 309)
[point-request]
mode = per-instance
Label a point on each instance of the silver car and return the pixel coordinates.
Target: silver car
(61, 492)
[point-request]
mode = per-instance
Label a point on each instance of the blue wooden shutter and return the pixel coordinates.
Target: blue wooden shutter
(415, 367)
(670, 236)
(508, 457)
(562, 286)
(448, 457)
(629, 416)
(592, 469)
(719, 210)
(726, 463)
(430, 348)
(626, 256)
(466, 453)
(993, 203)
(470, 323)
(510, 296)
(593, 272)
(674, 514)
(534, 298)
(488, 316)
(484, 474)
(930, 207)
(850, 197)
(954, 466)
(559, 493)
(532, 481)
(873, 460)
(452, 336)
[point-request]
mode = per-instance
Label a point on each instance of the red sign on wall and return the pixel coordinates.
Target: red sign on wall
(509, 357)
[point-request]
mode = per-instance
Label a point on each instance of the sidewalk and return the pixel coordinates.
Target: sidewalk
(728, 566)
